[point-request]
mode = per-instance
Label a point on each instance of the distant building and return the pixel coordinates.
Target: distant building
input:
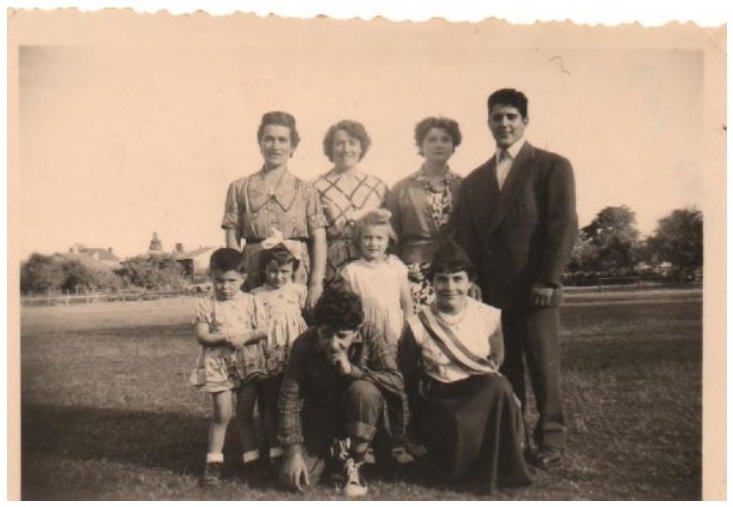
(156, 247)
(195, 263)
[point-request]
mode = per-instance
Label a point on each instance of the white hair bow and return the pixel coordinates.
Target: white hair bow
(294, 247)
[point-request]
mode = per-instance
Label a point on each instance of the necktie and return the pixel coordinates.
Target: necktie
(502, 166)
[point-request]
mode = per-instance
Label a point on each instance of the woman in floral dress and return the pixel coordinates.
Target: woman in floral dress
(422, 203)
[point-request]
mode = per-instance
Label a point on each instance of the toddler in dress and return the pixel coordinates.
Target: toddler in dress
(377, 276)
(283, 301)
(230, 326)
(380, 279)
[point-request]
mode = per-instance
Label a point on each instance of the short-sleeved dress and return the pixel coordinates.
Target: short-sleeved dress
(338, 207)
(378, 285)
(284, 307)
(421, 213)
(253, 211)
(222, 368)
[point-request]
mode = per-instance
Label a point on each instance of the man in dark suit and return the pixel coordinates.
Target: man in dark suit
(516, 219)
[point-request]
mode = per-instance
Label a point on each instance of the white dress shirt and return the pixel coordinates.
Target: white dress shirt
(504, 160)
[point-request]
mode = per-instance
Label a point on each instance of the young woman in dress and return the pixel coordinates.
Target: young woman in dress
(422, 203)
(274, 199)
(344, 190)
(467, 414)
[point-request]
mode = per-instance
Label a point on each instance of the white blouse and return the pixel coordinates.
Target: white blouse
(474, 327)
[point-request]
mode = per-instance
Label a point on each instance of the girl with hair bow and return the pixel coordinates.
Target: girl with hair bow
(283, 301)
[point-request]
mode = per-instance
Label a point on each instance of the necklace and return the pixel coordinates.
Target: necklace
(448, 319)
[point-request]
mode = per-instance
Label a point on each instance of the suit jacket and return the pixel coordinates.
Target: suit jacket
(522, 234)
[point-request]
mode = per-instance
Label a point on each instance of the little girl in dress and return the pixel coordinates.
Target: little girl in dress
(377, 276)
(380, 279)
(230, 326)
(283, 301)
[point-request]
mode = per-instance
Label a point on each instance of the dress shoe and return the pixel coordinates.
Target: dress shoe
(547, 457)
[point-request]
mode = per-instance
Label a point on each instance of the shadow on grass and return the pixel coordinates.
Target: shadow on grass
(172, 441)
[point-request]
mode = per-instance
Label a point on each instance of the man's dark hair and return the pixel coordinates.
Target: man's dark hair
(509, 97)
(338, 309)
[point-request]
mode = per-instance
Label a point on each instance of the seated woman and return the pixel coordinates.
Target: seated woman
(465, 409)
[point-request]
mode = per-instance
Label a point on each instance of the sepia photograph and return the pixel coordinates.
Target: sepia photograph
(260, 257)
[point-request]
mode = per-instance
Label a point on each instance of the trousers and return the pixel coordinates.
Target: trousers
(532, 334)
(356, 417)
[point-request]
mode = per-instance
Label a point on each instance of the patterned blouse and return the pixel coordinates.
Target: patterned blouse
(339, 205)
(253, 210)
(421, 213)
(338, 208)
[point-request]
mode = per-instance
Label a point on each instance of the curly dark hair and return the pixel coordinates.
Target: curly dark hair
(226, 259)
(508, 97)
(338, 309)
(432, 122)
(279, 254)
(279, 118)
(354, 129)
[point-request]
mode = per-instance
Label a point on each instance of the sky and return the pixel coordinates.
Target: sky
(143, 131)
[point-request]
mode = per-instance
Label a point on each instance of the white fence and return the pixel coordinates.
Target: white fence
(73, 299)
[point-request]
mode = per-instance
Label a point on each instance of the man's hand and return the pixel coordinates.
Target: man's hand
(540, 295)
(294, 473)
(341, 362)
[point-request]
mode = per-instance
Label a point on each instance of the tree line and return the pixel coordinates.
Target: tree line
(609, 246)
(59, 274)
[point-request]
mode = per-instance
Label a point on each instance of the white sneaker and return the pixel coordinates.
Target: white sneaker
(355, 484)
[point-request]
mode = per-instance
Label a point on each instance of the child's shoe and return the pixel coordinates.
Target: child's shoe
(401, 456)
(212, 473)
(416, 450)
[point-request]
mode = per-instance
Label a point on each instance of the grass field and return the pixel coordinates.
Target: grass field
(107, 412)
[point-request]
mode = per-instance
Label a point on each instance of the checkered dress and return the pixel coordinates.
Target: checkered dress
(338, 207)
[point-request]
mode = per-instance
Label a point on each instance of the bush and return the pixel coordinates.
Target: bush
(56, 273)
(81, 278)
(153, 272)
(41, 273)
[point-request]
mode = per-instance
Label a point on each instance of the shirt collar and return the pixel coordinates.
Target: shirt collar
(285, 191)
(419, 175)
(513, 150)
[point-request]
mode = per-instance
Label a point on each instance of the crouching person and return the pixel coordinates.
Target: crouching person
(339, 377)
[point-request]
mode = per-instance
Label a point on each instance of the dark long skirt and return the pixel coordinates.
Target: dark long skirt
(473, 432)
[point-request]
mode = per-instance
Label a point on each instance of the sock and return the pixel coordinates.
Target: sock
(214, 457)
(250, 456)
